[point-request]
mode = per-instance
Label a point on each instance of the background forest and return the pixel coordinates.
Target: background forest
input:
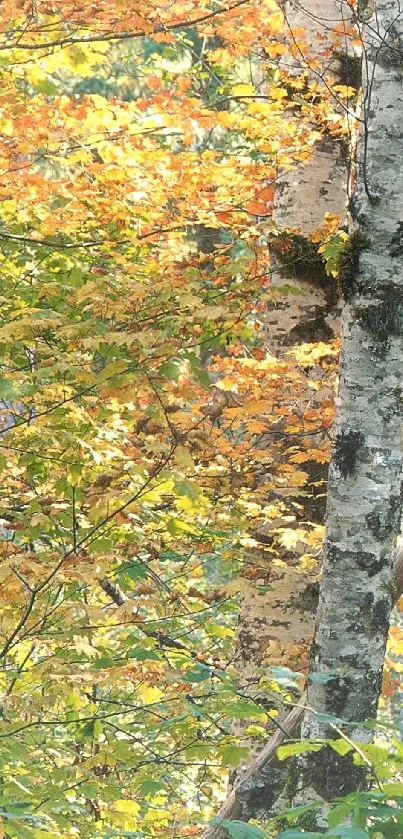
(174, 255)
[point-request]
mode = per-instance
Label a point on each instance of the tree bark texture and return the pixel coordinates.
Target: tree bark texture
(364, 490)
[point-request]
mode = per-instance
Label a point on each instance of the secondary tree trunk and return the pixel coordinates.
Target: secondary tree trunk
(276, 628)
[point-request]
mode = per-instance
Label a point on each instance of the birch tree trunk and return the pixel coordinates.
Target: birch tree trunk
(364, 491)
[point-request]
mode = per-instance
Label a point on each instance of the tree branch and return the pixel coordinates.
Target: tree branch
(119, 598)
(120, 36)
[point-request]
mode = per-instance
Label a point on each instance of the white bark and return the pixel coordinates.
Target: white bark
(364, 492)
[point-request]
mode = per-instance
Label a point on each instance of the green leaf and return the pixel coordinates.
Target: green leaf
(198, 371)
(150, 787)
(134, 570)
(177, 527)
(292, 812)
(74, 473)
(218, 631)
(100, 545)
(171, 556)
(239, 830)
(283, 673)
(243, 709)
(171, 370)
(232, 755)
(321, 678)
(122, 834)
(186, 488)
(7, 390)
(339, 813)
(291, 749)
(198, 751)
(142, 654)
(98, 728)
(329, 718)
(342, 747)
(198, 674)
(104, 663)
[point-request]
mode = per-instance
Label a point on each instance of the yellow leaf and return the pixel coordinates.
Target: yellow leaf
(278, 93)
(248, 542)
(126, 806)
(308, 562)
(157, 817)
(228, 383)
(150, 694)
(243, 90)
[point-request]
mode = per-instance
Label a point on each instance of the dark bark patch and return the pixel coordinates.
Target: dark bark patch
(332, 775)
(246, 640)
(368, 599)
(381, 523)
(346, 447)
(315, 650)
(396, 242)
(398, 399)
(307, 600)
(349, 659)
(348, 263)
(375, 680)
(368, 562)
(258, 794)
(381, 614)
(389, 54)
(395, 408)
(299, 258)
(334, 554)
(372, 618)
(314, 329)
(382, 319)
(350, 69)
(285, 624)
(337, 693)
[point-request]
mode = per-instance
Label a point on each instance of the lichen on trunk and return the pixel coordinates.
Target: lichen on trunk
(364, 490)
